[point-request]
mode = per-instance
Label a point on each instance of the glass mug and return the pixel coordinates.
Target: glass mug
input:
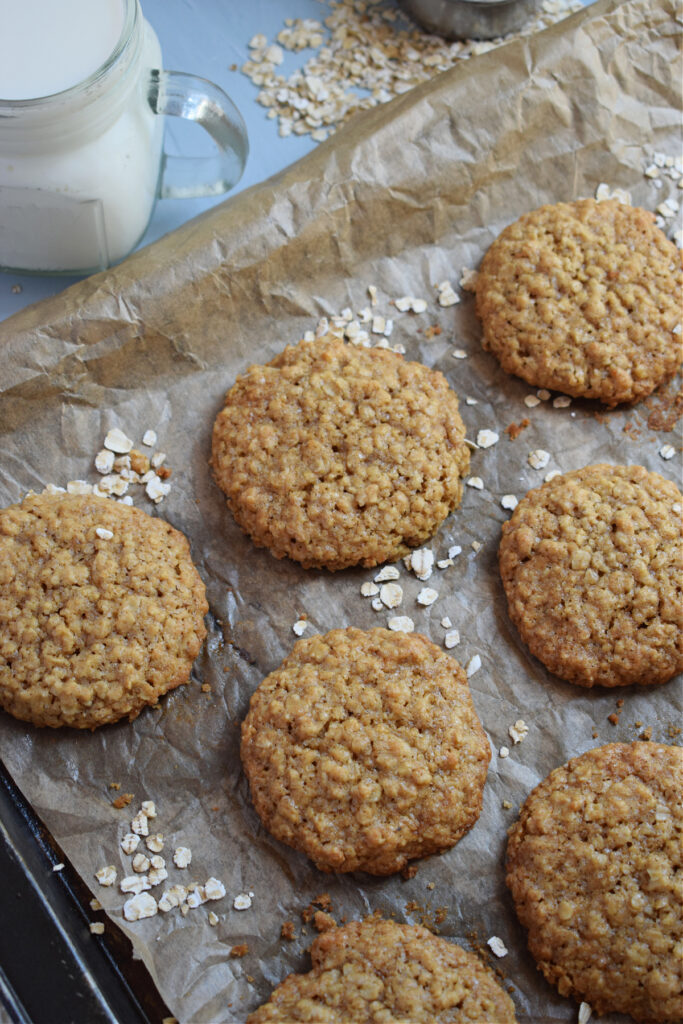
(81, 168)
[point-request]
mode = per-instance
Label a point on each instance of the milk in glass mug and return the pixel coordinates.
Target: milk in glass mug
(81, 156)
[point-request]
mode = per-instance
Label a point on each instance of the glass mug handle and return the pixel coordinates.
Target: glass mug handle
(182, 95)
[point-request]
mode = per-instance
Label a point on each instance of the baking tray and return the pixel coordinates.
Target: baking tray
(53, 970)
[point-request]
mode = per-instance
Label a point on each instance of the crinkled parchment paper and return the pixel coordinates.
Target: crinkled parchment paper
(402, 199)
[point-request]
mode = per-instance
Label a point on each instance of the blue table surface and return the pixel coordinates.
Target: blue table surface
(207, 38)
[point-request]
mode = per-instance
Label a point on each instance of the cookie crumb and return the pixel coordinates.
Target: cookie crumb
(122, 801)
(323, 921)
(239, 951)
(287, 931)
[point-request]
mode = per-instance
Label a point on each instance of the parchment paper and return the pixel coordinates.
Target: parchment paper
(402, 199)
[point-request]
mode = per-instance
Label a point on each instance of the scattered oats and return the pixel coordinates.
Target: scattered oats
(157, 876)
(446, 622)
(401, 624)
(79, 487)
(156, 489)
(551, 475)
(157, 459)
(389, 572)
(103, 533)
(155, 844)
(95, 904)
(444, 563)
(451, 639)
(421, 562)
(213, 918)
(504, 752)
(195, 895)
(129, 843)
(531, 401)
(468, 279)
(149, 438)
(116, 441)
(471, 401)
(157, 862)
(585, 1013)
(459, 353)
(214, 889)
(140, 863)
(476, 545)
(473, 665)
(509, 501)
(447, 297)
(106, 875)
(652, 171)
(121, 463)
(418, 305)
(139, 824)
(454, 551)
(476, 482)
(369, 589)
(376, 604)
(518, 731)
(403, 304)
(104, 461)
(182, 857)
(604, 191)
(173, 897)
(184, 909)
(391, 594)
(57, 867)
(135, 884)
(372, 292)
(299, 627)
(126, 501)
(242, 901)
(137, 907)
(538, 458)
(97, 927)
(507, 805)
(379, 325)
(399, 349)
(497, 946)
(667, 451)
(427, 596)
(562, 402)
(487, 438)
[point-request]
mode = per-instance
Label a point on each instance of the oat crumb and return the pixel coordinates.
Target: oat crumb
(97, 927)
(497, 946)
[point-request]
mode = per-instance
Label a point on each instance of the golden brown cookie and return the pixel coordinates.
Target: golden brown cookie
(376, 970)
(584, 297)
(364, 750)
(336, 455)
(101, 610)
(595, 866)
(591, 566)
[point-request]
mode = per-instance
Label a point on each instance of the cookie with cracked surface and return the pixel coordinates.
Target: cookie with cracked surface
(591, 566)
(101, 610)
(336, 456)
(364, 750)
(377, 970)
(584, 297)
(595, 864)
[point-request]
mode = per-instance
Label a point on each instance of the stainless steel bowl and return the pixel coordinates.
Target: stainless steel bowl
(471, 19)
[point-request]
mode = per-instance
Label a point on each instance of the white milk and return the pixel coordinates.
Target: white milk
(50, 45)
(78, 170)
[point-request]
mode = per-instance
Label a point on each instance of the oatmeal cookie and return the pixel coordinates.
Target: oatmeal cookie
(591, 566)
(364, 750)
(584, 297)
(336, 455)
(595, 866)
(376, 970)
(101, 610)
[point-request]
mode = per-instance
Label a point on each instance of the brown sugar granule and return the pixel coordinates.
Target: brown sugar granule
(122, 801)
(515, 429)
(364, 750)
(336, 455)
(378, 970)
(584, 298)
(613, 718)
(240, 950)
(594, 866)
(164, 472)
(287, 931)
